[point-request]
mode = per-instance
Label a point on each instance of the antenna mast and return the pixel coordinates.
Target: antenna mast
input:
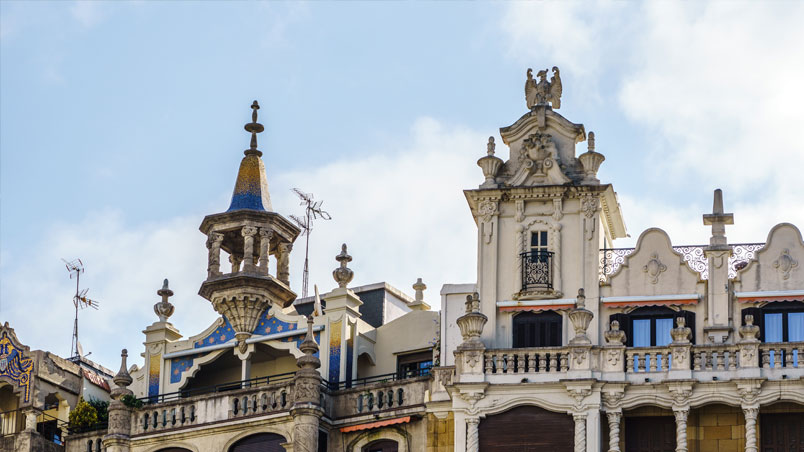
(312, 211)
(80, 300)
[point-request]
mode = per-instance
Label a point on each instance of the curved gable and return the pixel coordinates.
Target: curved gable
(779, 265)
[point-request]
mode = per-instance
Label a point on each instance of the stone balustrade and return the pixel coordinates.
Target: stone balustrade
(715, 357)
(213, 407)
(526, 360)
(781, 355)
(380, 398)
(647, 359)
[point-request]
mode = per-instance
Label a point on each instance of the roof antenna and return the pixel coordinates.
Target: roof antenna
(312, 211)
(80, 300)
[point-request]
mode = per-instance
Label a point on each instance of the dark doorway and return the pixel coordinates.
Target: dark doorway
(537, 330)
(782, 432)
(527, 429)
(261, 442)
(383, 445)
(650, 434)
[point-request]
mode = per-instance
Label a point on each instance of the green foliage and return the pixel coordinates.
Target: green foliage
(131, 401)
(102, 408)
(83, 415)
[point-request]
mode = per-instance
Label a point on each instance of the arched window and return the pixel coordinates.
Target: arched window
(383, 445)
(537, 330)
(261, 442)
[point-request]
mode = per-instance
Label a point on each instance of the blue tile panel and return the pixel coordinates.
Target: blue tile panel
(180, 365)
(15, 367)
(221, 335)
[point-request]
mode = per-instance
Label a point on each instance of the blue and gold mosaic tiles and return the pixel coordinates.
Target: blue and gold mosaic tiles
(270, 325)
(180, 365)
(221, 335)
(251, 187)
(153, 375)
(335, 351)
(15, 367)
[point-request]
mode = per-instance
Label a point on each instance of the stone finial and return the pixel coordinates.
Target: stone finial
(615, 336)
(749, 332)
(309, 346)
(419, 287)
(122, 379)
(541, 92)
(718, 220)
(681, 334)
(471, 323)
(343, 275)
(164, 308)
(254, 128)
(473, 303)
(580, 300)
(490, 165)
(591, 161)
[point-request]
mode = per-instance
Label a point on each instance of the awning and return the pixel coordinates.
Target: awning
(770, 295)
(378, 424)
(651, 300)
(536, 305)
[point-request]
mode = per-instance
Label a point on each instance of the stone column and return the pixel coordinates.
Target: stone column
(681, 428)
(248, 234)
(580, 431)
(30, 419)
(235, 261)
(306, 409)
(214, 259)
(265, 246)
(751, 428)
(283, 262)
(118, 437)
(614, 418)
(472, 435)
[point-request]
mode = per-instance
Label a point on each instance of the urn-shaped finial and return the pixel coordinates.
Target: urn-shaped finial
(472, 323)
(122, 379)
(749, 332)
(591, 161)
(490, 165)
(681, 334)
(164, 308)
(343, 275)
(615, 336)
(580, 318)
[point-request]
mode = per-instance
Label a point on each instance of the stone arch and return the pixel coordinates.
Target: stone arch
(390, 433)
(265, 434)
(175, 447)
(513, 429)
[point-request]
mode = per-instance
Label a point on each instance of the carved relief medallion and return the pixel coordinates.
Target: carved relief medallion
(785, 264)
(654, 268)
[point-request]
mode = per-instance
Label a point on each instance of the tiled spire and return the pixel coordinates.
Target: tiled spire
(251, 188)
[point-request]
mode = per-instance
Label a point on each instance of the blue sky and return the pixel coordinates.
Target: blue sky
(121, 126)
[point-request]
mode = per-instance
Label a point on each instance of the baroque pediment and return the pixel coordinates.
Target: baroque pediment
(542, 149)
(779, 265)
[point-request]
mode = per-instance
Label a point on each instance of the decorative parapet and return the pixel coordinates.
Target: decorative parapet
(382, 398)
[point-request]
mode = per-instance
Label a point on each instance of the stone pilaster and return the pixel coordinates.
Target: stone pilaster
(680, 350)
(306, 409)
(751, 428)
(472, 434)
(614, 418)
(580, 431)
(749, 348)
(118, 436)
(681, 428)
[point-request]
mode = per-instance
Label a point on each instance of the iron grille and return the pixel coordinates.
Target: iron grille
(537, 270)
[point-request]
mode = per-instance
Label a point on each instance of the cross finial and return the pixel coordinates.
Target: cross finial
(254, 128)
(718, 220)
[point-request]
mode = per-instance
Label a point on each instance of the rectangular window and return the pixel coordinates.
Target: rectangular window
(663, 327)
(641, 333)
(414, 364)
(773, 327)
(538, 241)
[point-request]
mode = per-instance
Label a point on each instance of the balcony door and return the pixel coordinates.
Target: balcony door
(782, 432)
(650, 434)
(537, 330)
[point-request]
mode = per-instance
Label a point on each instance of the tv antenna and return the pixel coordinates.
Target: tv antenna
(80, 300)
(312, 211)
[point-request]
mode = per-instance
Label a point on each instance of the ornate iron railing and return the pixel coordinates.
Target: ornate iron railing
(537, 269)
(612, 258)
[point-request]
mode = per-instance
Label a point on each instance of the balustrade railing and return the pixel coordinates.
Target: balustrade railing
(715, 357)
(612, 258)
(205, 408)
(381, 397)
(782, 355)
(648, 359)
(525, 360)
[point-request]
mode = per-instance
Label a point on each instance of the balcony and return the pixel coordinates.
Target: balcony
(537, 270)
(774, 361)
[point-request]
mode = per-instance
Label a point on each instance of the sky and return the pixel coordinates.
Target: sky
(121, 127)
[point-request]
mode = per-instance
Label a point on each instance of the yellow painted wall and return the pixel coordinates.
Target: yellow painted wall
(440, 433)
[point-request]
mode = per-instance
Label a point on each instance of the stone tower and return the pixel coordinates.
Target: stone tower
(249, 233)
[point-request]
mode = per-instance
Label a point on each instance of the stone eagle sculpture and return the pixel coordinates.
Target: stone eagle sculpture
(540, 92)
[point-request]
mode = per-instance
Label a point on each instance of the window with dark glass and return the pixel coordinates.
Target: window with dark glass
(779, 322)
(537, 263)
(651, 326)
(538, 241)
(537, 330)
(414, 364)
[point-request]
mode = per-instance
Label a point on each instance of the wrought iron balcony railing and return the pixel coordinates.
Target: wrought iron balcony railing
(537, 270)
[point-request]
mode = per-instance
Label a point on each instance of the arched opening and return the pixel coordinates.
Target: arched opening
(11, 421)
(174, 449)
(514, 430)
(261, 442)
(382, 445)
(537, 329)
(226, 369)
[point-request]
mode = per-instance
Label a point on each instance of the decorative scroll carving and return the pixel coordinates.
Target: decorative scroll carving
(654, 268)
(785, 263)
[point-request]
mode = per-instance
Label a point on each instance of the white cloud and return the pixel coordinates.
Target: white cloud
(400, 209)
(87, 13)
